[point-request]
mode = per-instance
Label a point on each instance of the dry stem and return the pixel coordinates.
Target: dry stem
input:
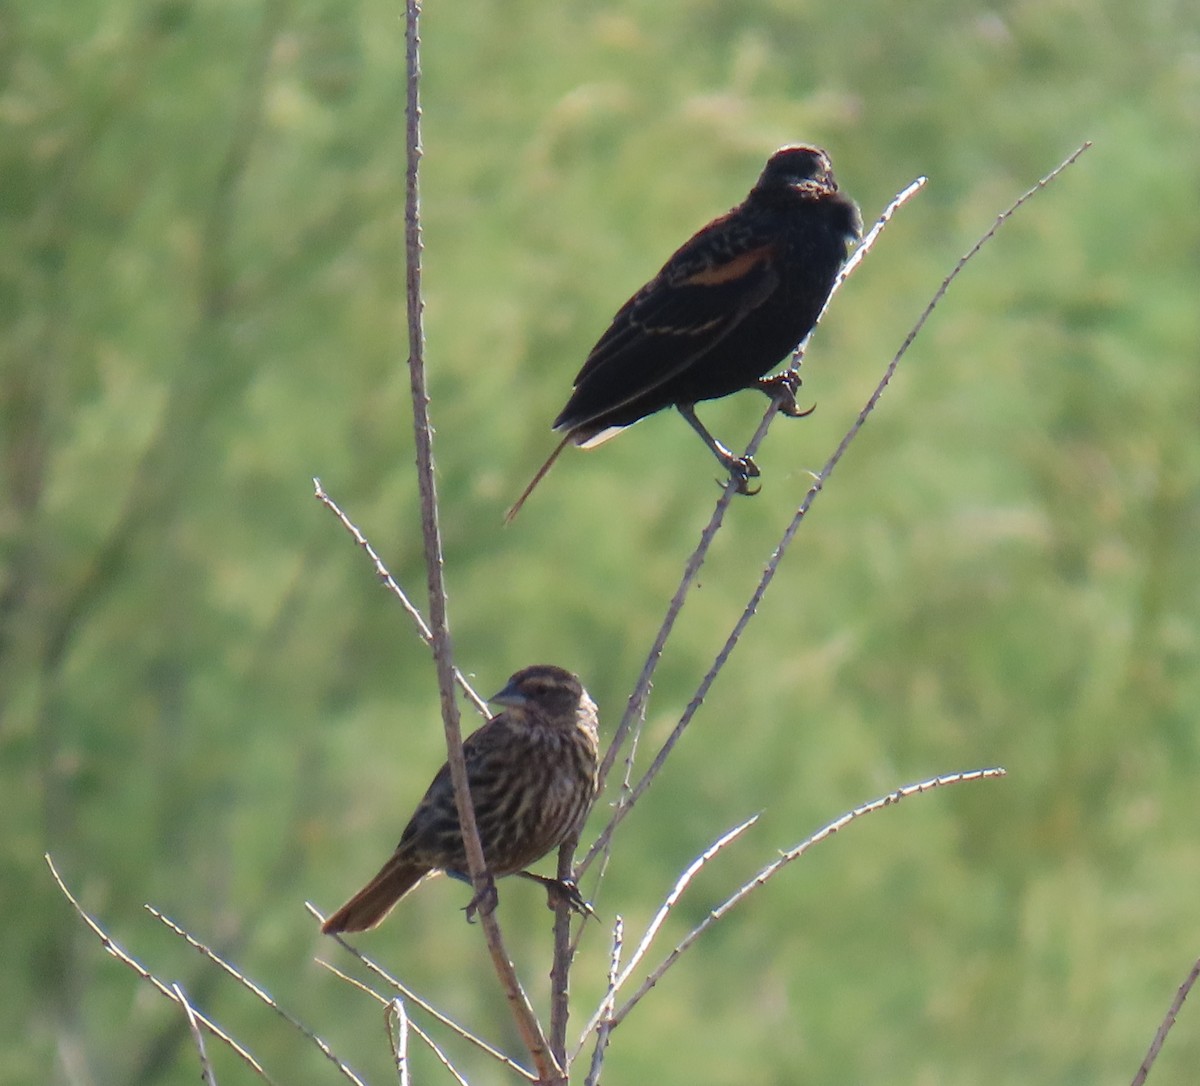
(1161, 1035)
(784, 859)
(390, 583)
(112, 947)
(255, 990)
(412, 997)
(525, 1020)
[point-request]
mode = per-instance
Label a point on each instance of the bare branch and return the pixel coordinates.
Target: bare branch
(963, 260)
(626, 778)
(111, 946)
(868, 242)
(443, 653)
(606, 1006)
(389, 582)
(681, 884)
(399, 1038)
(564, 953)
(785, 858)
(635, 707)
(1167, 1023)
(440, 1054)
(256, 991)
(421, 1034)
(206, 1071)
(412, 997)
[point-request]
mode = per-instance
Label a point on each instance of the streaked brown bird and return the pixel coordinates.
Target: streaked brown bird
(731, 303)
(532, 772)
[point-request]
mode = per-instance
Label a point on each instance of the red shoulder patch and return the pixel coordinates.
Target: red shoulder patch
(737, 268)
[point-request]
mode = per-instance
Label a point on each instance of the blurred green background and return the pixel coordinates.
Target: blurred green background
(206, 701)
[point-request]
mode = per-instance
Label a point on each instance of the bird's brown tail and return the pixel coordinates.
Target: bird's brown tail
(375, 900)
(541, 474)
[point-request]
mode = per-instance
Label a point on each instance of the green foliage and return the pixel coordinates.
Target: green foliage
(207, 703)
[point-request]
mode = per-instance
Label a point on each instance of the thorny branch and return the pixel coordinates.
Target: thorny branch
(443, 654)
(616, 982)
(390, 583)
(397, 1015)
(785, 858)
(606, 1005)
(412, 997)
(1167, 1023)
(256, 991)
(112, 947)
(424, 1037)
(206, 1071)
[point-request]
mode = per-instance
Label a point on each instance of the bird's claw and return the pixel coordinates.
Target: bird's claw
(782, 388)
(561, 892)
(484, 902)
(742, 469)
(566, 892)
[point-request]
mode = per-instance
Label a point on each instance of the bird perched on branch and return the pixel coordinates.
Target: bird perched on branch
(731, 303)
(532, 774)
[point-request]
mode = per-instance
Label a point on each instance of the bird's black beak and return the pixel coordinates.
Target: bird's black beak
(510, 695)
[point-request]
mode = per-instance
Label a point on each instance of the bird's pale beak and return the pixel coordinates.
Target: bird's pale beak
(510, 695)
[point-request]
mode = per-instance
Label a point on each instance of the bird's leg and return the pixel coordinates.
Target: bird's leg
(782, 389)
(742, 468)
(559, 891)
(484, 902)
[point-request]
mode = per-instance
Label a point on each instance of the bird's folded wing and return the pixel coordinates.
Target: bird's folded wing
(686, 310)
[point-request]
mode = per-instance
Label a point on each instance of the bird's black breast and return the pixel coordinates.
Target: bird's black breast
(813, 240)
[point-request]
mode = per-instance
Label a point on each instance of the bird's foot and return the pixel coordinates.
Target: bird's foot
(561, 892)
(566, 892)
(782, 388)
(484, 902)
(742, 469)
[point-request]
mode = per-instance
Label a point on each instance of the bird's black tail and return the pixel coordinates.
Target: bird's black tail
(541, 472)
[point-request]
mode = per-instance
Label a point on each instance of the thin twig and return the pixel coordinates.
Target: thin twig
(786, 858)
(399, 1037)
(440, 1054)
(256, 991)
(560, 968)
(627, 802)
(424, 1037)
(626, 785)
(389, 582)
(635, 707)
(443, 654)
(1167, 1023)
(413, 998)
(681, 884)
(111, 946)
(206, 1071)
(606, 1006)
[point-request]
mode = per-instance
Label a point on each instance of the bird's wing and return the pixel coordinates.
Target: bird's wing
(704, 291)
(434, 826)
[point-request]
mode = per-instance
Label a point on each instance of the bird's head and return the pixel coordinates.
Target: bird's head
(552, 690)
(806, 169)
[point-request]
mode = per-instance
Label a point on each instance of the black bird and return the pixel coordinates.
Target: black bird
(532, 774)
(730, 304)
